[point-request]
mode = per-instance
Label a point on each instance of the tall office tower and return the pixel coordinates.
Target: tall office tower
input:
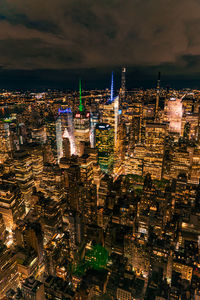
(48, 156)
(97, 173)
(60, 243)
(52, 182)
(81, 125)
(133, 119)
(73, 223)
(110, 112)
(94, 119)
(24, 175)
(9, 271)
(155, 147)
(64, 129)
(36, 154)
(59, 139)
(88, 203)
(21, 133)
(66, 148)
(180, 162)
(51, 218)
(51, 135)
(195, 167)
(5, 141)
(105, 146)
(29, 235)
(173, 114)
(88, 193)
(104, 189)
(134, 163)
(39, 135)
(190, 125)
(157, 97)
(123, 85)
(86, 169)
(11, 204)
(72, 181)
(119, 154)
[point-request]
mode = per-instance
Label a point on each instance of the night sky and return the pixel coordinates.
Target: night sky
(51, 43)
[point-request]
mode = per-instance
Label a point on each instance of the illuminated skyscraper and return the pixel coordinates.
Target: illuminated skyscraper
(64, 129)
(5, 141)
(119, 154)
(24, 175)
(11, 204)
(94, 119)
(105, 146)
(155, 147)
(51, 135)
(174, 112)
(110, 111)
(81, 125)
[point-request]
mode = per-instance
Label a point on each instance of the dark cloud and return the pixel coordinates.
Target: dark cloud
(67, 34)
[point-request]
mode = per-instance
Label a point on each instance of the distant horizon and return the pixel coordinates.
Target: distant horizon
(94, 78)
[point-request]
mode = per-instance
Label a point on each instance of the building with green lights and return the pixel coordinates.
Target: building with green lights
(104, 138)
(81, 126)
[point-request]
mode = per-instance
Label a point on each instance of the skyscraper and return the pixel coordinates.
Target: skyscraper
(123, 85)
(81, 125)
(105, 146)
(110, 111)
(5, 141)
(24, 175)
(64, 129)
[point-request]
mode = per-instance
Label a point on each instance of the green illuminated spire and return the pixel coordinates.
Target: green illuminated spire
(80, 105)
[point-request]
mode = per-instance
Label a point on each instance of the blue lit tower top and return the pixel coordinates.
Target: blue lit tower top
(111, 89)
(64, 111)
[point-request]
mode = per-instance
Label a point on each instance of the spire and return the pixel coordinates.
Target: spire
(123, 84)
(111, 90)
(157, 96)
(80, 100)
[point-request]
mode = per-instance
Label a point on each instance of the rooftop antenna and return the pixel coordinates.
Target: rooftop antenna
(80, 100)
(157, 96)
(123, 84)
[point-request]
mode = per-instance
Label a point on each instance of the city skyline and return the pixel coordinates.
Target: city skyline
(99, 150)
(47, 46)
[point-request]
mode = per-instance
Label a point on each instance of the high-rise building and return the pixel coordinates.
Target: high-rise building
(123, 86)
(105, 146)
(81, 125)
(94, 119)
(110, 112)
(173, 114)
(11, 204)
(9, 275)
(5, 141)
(51, 135)
(119, 155)
(24, 175)
(155, 147)
(29, 235)
(64, 129)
